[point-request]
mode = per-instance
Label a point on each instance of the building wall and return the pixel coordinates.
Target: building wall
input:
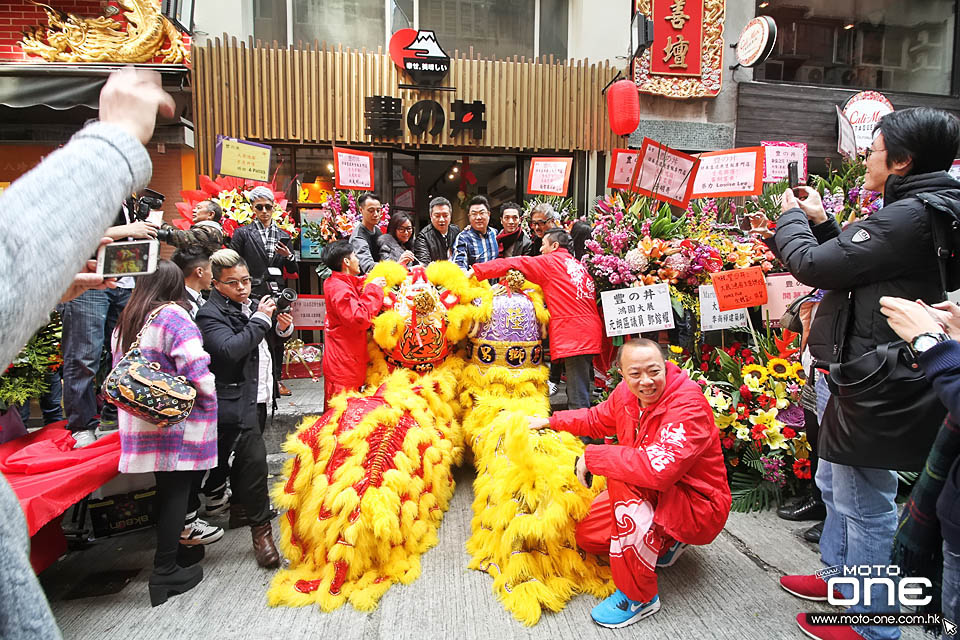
(599, 30)
(17, 15)
(213, 18)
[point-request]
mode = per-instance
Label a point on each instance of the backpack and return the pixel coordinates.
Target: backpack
(945, 227)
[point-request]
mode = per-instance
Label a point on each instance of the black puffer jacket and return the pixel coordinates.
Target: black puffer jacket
(891, 253)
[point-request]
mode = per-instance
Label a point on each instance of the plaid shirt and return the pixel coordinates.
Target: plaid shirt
(270, 236)
(471, 247)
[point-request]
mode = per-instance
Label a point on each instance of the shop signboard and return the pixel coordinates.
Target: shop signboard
(242, 159)
(739, 288)
(623, 162)
(637, 310)
(782, 290)
(549, 176)
(711, 318)
(419, 54)
(734, 172)
(354, 169)
(756, 41)
(846, 136)
(864, 111)
(309, 312)
(777, 155)
(665, 174)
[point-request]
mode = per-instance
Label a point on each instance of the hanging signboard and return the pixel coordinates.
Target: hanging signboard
(242, 159)
(549, 176)
(756, 41)
(309, 312)
(420, 55)
(782, 290)
(664, 173)
(354, 169)
(623, 162)
(711, 318)
(734, 172)
(637, 310)
(864, 111)
(846, 136)
(740, 288)
(686, 57)
(777, 155)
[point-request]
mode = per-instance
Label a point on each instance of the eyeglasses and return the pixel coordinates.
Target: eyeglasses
(538, 223)
(263, 207)
(405, 229)
(870, 151)
(235, 284)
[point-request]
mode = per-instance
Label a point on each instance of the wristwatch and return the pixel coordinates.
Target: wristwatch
(926, 340)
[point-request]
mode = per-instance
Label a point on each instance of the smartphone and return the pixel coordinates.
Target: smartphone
(794, 175)
(134, 258)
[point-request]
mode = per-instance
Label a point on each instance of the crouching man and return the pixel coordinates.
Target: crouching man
(666, 482)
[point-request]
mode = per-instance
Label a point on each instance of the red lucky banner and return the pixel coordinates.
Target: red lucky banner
(664, 173)
(623, 162)
(678, 37)
(354, 169)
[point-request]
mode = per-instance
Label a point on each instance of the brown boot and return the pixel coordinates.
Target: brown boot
(238, 516)
(263, 547)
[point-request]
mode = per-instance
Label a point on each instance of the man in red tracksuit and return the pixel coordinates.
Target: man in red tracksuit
(351, 306)
(666, 481)
(575, 327)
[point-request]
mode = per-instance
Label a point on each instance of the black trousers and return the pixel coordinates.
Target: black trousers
(170, 507)
(248, 474)
(812, 428)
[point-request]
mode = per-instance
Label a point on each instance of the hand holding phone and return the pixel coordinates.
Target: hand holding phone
(134, 258)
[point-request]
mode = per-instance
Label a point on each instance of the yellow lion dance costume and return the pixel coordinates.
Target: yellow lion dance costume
(368, 482)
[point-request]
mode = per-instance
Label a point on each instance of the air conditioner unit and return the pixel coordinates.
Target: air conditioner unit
(502, 186)
(810, 75)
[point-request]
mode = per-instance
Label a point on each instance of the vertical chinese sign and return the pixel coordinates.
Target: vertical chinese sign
(686, 58)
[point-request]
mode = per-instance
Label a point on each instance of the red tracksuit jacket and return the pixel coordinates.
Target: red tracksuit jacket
(350, 309)
(575, 326)
(671, 450)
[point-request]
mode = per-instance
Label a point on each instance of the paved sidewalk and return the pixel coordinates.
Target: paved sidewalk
(727, 590)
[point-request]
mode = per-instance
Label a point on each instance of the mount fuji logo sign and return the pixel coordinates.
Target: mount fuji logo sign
(420, 55)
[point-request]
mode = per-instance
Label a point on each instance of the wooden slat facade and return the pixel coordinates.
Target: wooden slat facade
(314, 94)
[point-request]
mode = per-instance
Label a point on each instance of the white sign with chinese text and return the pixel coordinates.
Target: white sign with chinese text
(637, 310)
(309, 312)
(782, 290)
(777, 155)
(711, 318)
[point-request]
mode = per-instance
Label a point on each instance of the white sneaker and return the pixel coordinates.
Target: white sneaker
(83, 438)
(200, 532)
(553, 387)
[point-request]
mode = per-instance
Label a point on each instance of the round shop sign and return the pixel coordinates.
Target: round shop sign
(756, 41)
(864, 111)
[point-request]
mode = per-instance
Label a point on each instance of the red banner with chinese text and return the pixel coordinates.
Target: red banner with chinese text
(678, 37)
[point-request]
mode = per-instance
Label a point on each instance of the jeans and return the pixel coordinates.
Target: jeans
(49, 402)
(951, 585)
(579, 380)
(861, 521)
(88, 321)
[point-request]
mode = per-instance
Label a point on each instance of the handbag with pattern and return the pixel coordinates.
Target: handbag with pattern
(138, 386)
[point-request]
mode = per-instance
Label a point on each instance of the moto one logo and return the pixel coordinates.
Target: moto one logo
(904, 591)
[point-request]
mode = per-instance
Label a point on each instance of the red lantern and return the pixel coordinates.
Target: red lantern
(623, 107)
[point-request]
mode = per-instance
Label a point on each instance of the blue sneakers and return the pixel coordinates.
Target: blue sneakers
(671, 555)
(619, 611)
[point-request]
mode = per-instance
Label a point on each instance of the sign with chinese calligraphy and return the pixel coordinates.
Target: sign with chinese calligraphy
(782, 290)
(846, 136)
(756, 41)
(664, 173)
(623, 163)
(711, 318)
(777, 155)
(740, 288)
(637, 310)
(864, 111)
(420, 55)
(309, 313)
(242, 159)
(549, 176)
(686, 57)
(354, 169)
(734, 172)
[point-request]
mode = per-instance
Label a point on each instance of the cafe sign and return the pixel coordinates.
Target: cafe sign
(864, 111)
(686, 58)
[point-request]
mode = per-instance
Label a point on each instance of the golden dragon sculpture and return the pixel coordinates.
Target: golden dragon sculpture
(70, 38)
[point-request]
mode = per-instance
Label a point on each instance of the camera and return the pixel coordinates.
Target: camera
(165, 235)
(149, 200)
(284, 297)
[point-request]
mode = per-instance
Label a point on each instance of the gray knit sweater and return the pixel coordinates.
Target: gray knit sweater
(54, 217)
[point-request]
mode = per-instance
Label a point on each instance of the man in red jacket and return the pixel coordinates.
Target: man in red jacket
(575, 326)
(666, 482)
(351, 307)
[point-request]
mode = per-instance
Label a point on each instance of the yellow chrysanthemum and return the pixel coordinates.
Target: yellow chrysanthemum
(675, 349)
(759, 372)
(779, 368)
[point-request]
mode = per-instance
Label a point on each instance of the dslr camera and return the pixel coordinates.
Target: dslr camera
(284, 297)
(148, 201)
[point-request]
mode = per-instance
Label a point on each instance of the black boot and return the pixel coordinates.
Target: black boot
(813, 533)
(187, 556)
(810, 508)
(170, 579)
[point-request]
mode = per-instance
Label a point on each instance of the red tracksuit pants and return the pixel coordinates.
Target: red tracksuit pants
(333, 387)
(620, 524)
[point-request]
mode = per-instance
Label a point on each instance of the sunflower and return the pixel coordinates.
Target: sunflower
(798, 371)
(779, 368)
(755, 370)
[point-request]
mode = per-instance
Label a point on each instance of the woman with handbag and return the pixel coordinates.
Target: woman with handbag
(156, 321)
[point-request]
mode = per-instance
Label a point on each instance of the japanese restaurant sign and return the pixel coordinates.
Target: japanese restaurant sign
(354, 169)
(782, 290)
(777, 155)
(549, 176)
(711, 318)
(740, 288)
(242, 159)
(637, 310)
(734, 172)
(664, 173)
(686, 57)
